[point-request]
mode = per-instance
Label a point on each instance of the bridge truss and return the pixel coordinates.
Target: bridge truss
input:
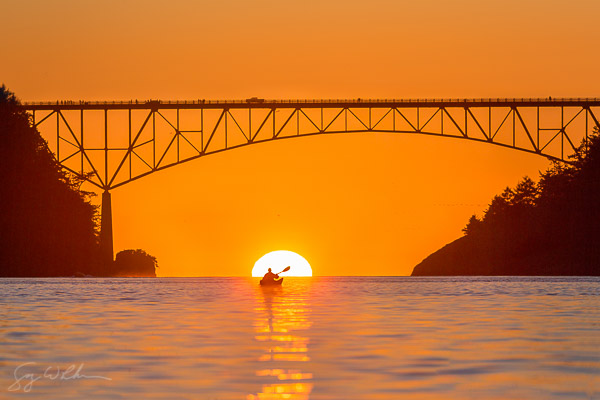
(112, 143)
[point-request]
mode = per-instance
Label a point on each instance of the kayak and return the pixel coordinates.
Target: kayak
(271, 283)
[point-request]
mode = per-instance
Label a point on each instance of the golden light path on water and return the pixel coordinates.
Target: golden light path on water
(281, 318)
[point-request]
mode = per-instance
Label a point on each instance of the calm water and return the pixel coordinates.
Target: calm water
(315, 338)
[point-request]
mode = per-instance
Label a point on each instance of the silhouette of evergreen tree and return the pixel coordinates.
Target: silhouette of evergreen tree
(48, 227)
(545, 228)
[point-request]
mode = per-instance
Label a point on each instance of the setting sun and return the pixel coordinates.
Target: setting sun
(279, 260)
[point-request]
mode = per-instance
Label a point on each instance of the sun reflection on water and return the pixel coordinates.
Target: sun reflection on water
(281, 315)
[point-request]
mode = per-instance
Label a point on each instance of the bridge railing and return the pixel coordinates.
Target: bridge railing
(257, 101)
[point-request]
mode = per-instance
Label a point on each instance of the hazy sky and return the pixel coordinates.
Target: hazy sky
(373, 204)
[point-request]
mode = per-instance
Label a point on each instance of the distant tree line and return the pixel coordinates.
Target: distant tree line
(48, 225)
(544, 228)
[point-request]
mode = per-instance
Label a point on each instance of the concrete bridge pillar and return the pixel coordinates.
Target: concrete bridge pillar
(106, 232)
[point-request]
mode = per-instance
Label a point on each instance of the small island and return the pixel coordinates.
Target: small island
(134, 263)
(546, 228)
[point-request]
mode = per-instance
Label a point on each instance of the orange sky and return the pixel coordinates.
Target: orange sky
(368, 204)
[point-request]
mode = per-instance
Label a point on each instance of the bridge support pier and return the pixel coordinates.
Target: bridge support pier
(106, 232)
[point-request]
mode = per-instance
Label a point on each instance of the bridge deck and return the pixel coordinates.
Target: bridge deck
(307, 103)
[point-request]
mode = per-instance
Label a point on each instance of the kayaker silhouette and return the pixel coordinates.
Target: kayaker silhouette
(269, 276)
(272, 279)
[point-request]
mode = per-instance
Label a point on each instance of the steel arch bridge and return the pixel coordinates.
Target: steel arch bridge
(112, 143)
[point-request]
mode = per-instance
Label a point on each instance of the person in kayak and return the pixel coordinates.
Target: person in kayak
(270, 277)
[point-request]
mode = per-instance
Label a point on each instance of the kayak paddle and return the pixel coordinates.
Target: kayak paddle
(285, 270)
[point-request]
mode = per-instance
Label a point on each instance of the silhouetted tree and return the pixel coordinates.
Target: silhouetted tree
(47, 225)
(525, 194)
(473, 226)
(498, 207)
